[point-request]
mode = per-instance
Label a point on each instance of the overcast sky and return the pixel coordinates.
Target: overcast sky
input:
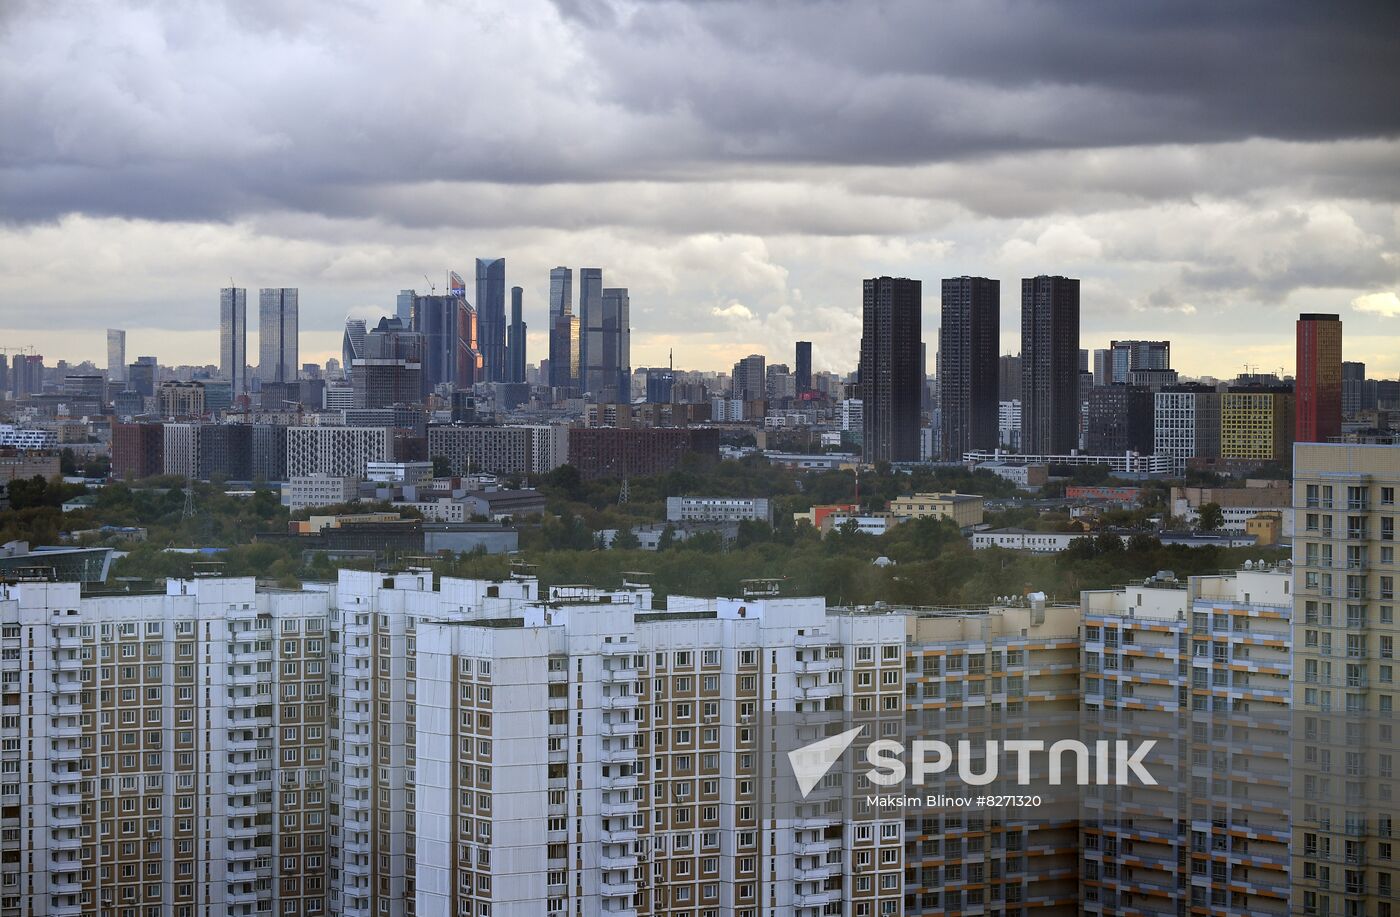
(1208, 170)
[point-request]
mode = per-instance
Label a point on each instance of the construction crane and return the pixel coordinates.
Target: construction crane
(432, 287)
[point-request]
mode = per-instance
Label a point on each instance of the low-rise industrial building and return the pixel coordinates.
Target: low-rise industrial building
(306, 491)
(964, 509)
(718, 509)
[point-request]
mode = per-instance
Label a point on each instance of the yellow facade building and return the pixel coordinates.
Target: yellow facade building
(964, 509)
(1256, 423)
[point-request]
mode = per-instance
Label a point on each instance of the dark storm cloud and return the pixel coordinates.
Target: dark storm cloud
(916, 81)
(738, 165)
(216, 110)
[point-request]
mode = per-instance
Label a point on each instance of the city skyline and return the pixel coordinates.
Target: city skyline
(637, 498)
(1113, 357)
(1198, 211)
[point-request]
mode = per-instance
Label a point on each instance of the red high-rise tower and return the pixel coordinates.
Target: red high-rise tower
(1319, 384)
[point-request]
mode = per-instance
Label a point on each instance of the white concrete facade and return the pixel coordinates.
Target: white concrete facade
(338, 451)
(501, 450)
(154, 729)
(182, 449)
(307, 491)
(718, 509)
(614, 771)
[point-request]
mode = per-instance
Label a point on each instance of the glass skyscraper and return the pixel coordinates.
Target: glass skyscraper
(563, 330)
(403, 307)
(450, 355)
(491, 314)
(515, 343)
(116, 355)
(590, 322)
(614, 361)
(352, 343)
(277, 334)
(233, 338)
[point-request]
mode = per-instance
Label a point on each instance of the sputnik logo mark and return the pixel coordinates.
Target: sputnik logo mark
(810, 763)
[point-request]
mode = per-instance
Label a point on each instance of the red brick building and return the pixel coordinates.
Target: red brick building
(138, 450)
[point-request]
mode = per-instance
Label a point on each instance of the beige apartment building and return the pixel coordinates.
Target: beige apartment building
(983, 674)
(604, 757)
(964, 509)
(1344, 690)
(392, 744)
(1202, 666)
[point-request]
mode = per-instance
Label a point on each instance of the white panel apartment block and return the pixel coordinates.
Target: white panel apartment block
(338, 451)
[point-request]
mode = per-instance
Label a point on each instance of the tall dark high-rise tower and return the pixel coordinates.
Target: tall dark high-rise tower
(277, 334)
(804, 367)
(27, 375)
(561, 292)
(611, 360)
(233, 338)
(1319, 378)
(448, 325)
(968, 365)
(591, 321)
(491, 315)
(1009, 377)
(515, 340)
(748, 380)
(890, 385)
(1353, 387)
(389, 367)
(563, 331)
(1050, 403)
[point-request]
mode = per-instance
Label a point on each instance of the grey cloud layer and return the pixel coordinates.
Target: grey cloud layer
(172, 110)
(1184, 158)
(909, 80)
